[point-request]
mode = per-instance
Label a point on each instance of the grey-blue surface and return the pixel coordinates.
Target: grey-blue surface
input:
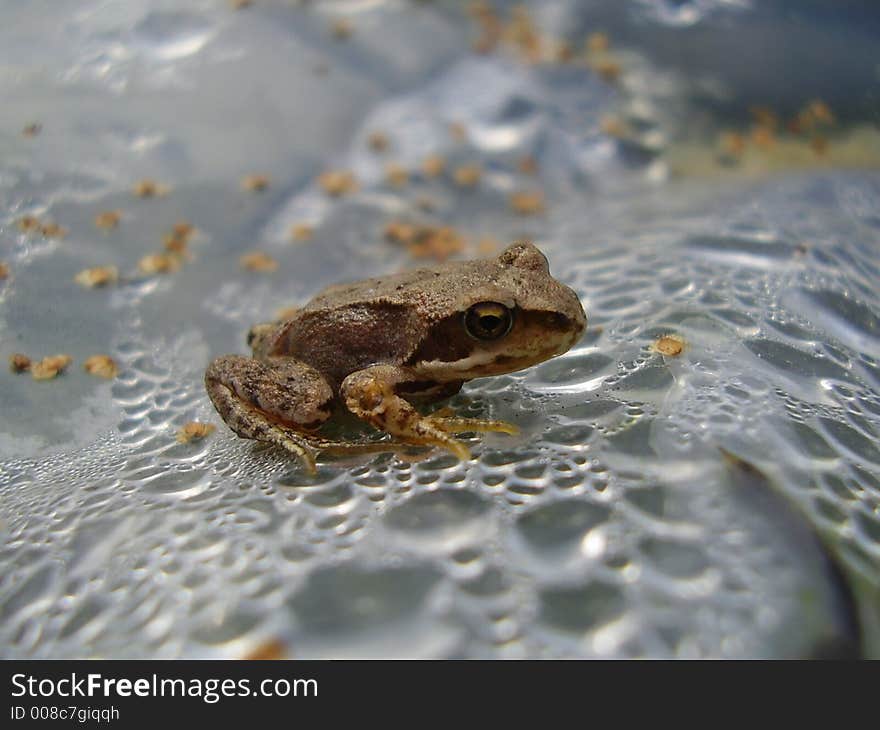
(618, 523)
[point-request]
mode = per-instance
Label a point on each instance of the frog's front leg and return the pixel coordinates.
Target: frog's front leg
(372, 394)
(270, 400)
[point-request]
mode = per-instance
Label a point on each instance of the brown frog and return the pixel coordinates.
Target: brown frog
(377, 346)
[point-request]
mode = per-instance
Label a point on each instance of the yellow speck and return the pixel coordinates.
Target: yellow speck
(564, 52)
(670, 345)
(51, 366)
(396, 175)
(763, 136)
(530, 202)
(97, 276)
(338, 182)
(598, 42)
(341, 29)
(149, 188)
(425, 241)
(174, 244)
(108, 219)
(522, 33)
(433, 165)
(458, 131)
(269, 650)
(19, 362)
(614, 127)
(258, 261)
(608, 69)
(301, 232)
(467, 175)
(177, 239)
(435, 242)
(53, 230)
(194, 430)
(378, 141)
(255, 183)
(732, 144)
(821, 112)
(159, 263)
(400, 232)
(490, 26)
(101, 366)
(28, 224)
(183, 229)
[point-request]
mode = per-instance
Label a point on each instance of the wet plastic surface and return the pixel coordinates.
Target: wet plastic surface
(616, 524)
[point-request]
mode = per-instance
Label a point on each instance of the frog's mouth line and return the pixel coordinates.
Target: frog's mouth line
(483, 364)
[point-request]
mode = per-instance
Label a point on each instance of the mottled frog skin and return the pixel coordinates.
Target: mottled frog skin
(377, 346)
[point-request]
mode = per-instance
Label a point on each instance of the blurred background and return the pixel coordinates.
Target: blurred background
(699, 476)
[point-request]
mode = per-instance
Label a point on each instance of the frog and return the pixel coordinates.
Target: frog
(382, 348)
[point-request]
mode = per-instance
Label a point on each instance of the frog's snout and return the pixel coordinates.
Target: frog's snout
(573, 312)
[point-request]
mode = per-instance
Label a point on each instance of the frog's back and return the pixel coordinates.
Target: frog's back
(429, 290)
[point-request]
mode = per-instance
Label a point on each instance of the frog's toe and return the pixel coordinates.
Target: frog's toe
(439, 439)
(457, 448)
(478, 425)
(305, 455)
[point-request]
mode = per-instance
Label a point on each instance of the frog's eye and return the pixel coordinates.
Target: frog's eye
(488, 321)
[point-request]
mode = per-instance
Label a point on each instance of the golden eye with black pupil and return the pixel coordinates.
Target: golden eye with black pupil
(488, 321)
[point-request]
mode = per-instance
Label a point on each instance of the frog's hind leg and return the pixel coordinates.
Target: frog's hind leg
(249, 423)
(276, 401)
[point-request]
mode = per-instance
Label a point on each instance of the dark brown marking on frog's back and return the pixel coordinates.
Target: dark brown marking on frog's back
(375, 333)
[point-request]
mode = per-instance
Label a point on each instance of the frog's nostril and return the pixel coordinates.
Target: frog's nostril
(557, 321)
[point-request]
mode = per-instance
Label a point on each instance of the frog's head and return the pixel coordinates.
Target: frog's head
(504, 314)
